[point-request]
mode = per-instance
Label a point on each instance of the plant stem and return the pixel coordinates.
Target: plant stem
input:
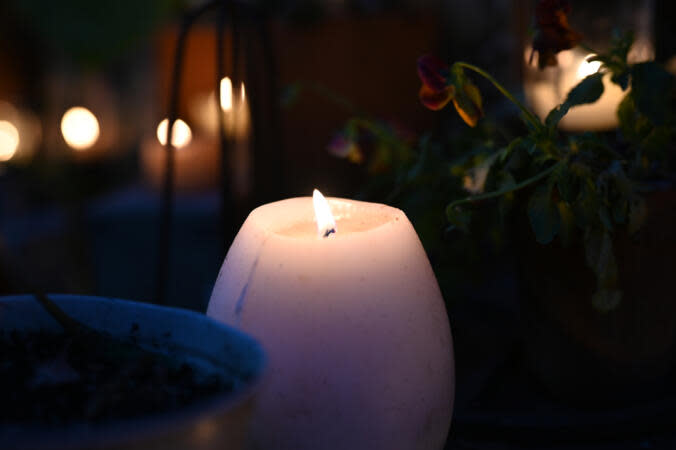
(526, 112)
(506, 190)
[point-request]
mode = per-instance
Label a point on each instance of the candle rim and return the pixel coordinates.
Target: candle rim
(261, 217)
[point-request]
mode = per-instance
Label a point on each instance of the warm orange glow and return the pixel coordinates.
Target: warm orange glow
(9, 140)
(80, 128)
(326, 224)
(181, 136)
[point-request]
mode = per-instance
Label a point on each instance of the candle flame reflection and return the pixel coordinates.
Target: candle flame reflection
(182, 135)
(326, 224)
(226, 94)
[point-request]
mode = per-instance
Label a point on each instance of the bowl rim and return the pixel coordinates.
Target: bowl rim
(119, 431)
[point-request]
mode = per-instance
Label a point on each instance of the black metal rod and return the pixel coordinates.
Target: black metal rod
(168, 194)
(167, 200)
(226, 204)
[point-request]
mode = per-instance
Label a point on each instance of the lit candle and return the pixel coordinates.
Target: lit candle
(350, 313)
(196, 160)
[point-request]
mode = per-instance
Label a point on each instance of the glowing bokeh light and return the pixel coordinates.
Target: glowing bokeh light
(80, 128)
(9, 140)
(182, 135)
(587, 68)
(226, 94)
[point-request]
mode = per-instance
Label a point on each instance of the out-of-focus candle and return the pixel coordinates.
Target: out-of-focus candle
(196, 160)
(359, 345)
(79, 128)
(236, 116)
(547, 93)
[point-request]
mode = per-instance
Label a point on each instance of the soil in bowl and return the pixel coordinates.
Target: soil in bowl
(53, 379)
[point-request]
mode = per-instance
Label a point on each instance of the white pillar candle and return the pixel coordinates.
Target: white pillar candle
(357, 335)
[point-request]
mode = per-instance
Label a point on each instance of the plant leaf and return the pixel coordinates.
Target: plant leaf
(601, 259)
(637, 214)
(652, 87)
(459, 218)
(544, 215)
(567, 223)
(606, 300)
(588, 90)
(467, 97)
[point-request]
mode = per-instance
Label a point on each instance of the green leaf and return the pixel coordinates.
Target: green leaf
(606, 220)
(588, 90)
(637, 214)
(652, 87)
(601, 259)
(587, 204)
(543, 215)
(567, 223)
(606, 300)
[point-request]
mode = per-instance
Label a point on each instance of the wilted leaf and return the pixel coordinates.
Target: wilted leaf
(468, 103)
(467, 98)
(544, 215)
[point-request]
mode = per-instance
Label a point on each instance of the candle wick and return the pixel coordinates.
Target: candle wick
(329, 232)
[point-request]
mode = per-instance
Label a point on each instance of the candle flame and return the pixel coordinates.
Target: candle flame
(180, 137)
(326, 224)
(226, 94)
(80, 128)
(243, 93)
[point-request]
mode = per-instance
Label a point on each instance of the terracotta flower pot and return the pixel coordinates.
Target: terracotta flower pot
(598, 358)
(217, 423)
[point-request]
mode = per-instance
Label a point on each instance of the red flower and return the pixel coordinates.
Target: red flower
(441, 84)
(436, 90)
(553, 33)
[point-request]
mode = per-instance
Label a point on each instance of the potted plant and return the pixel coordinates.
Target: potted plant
(89, 372)
(593, 215)
(602, 210)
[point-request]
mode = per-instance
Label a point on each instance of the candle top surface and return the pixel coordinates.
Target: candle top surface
(295, 217)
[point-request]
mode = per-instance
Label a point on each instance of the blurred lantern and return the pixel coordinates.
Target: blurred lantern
(80, 128)
(82, 117)
(596, 21)
(196, 159)
(20, 133)
(236, 115)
